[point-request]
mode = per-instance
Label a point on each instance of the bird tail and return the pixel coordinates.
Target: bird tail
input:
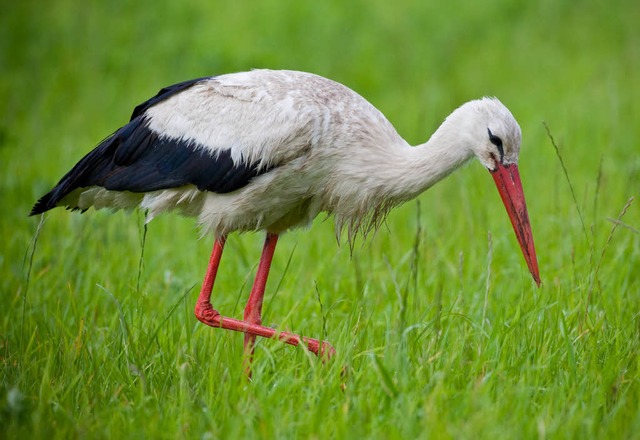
(77, 177)
(51, 199)
(95, 168)
(46, 202)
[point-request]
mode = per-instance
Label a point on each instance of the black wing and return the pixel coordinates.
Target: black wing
(164, 94)
(137, 159)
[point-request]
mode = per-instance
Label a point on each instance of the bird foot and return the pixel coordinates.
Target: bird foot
(206, 314)
(325, 352)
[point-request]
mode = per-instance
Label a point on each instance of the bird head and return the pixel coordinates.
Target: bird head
(499, 133)
(494, 137)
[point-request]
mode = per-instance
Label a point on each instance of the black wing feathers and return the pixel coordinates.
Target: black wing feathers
(137, 159)
(145, 161)
(164, 94)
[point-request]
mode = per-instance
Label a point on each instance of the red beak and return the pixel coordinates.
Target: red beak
(507, 180)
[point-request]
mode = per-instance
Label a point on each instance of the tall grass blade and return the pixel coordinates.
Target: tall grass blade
(385, 377)
(28, 260)
(173, 308)
(566, 175)
(143, 241)
(623, 225)
(594, 278)
(488, 283)
(324, 333)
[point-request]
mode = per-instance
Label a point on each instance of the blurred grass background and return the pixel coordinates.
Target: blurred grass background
(439, 329)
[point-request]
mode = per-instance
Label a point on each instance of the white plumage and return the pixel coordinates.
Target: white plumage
(270, 150)
(334, 152)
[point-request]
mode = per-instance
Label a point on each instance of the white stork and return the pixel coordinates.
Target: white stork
(270, 150)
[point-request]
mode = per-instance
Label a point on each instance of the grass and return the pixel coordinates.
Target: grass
(439, 329)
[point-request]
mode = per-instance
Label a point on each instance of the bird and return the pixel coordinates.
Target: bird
(269, 150)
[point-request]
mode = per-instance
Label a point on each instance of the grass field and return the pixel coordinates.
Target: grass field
(439, 329)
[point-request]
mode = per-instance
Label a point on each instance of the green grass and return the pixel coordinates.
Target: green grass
(439, 329)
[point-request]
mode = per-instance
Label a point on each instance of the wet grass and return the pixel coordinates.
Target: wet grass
(439, 329)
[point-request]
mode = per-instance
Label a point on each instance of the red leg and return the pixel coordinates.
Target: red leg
(203, 305)
(206, 314)
(253, 310)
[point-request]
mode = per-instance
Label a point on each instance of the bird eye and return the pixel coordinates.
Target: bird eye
(495, 140)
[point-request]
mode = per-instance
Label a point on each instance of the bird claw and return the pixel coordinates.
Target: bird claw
(326, 352)
(206, 314)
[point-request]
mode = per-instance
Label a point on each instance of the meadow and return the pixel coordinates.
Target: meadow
(439, 330)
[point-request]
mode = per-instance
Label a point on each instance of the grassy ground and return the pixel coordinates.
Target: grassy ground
(439, 329)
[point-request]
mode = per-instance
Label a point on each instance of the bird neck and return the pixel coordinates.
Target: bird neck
(393, 173)
(426, 164)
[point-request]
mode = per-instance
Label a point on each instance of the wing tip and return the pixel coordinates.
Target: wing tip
(43, 204)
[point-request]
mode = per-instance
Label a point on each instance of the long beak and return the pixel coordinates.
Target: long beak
(507, 180)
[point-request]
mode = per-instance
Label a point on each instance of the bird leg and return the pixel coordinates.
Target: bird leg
(253, 309)
(251, 326)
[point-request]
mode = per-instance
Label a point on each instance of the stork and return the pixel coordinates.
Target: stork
(269, 150)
